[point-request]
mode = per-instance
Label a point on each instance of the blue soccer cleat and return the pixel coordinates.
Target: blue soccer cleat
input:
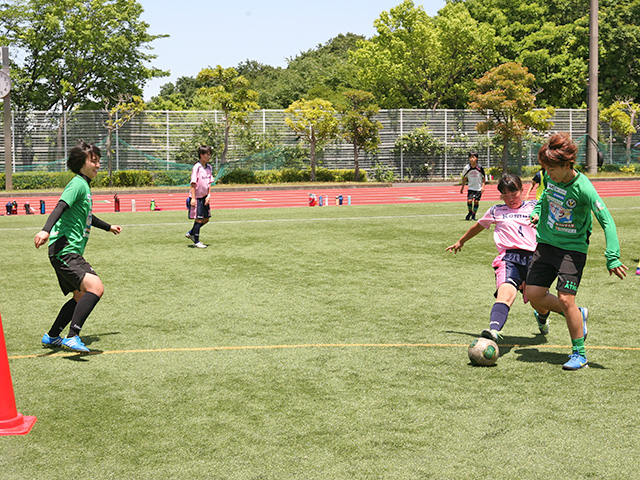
(576, 362)
(585, 314)
(75, 344)
(51, 342)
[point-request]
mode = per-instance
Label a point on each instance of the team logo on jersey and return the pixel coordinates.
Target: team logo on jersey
(571, 203)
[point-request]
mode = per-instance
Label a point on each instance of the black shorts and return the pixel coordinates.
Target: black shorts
(200, 210)
(549, 263)
(70, 269)
(474, 195)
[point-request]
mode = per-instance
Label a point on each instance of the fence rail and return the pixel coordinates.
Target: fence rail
(152, 139)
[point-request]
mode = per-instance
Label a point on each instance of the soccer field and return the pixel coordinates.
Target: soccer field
(310, 343)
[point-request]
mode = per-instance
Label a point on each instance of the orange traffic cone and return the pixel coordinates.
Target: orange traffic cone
(11, 422)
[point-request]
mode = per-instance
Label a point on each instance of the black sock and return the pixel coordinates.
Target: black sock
(82, 311)
(543, 318)
(195, 231)
(63, 318)
(499, 315)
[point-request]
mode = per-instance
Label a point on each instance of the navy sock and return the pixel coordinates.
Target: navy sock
(195, 231)
(499, 314)
(82, 311)
(63, 318)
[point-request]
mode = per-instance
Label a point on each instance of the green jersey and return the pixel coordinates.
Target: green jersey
(75, 222)
(565, 220)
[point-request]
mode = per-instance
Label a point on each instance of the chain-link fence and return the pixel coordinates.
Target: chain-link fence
(153, 139)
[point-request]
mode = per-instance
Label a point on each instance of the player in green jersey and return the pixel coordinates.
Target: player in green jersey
(564, 223)
(67, 230)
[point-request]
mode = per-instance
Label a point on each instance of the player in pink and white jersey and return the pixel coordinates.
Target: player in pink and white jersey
(515, 239)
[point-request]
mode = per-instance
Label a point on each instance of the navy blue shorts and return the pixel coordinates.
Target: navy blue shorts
(200, 210)
(513, 268)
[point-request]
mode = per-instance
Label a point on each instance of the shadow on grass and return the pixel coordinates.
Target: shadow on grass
(526, 354)
(533, 355)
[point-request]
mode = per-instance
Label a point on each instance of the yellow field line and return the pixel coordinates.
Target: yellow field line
(316, 345)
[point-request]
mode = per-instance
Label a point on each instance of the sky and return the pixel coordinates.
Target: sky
(205, 33)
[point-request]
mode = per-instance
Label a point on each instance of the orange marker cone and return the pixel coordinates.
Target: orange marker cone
(11, 422)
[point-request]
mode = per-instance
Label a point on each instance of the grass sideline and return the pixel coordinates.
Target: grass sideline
(371, 379)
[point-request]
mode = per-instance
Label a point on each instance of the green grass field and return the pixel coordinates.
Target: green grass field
(315, 343)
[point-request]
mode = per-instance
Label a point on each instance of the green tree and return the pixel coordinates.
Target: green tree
(122, 112)
(622, 116)
(504, 95)
(75, 53)
(418, 61)
(358, 123)
(231, 94)
(315, 122)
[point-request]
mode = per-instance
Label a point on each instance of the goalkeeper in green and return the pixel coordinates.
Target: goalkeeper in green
(564, 223)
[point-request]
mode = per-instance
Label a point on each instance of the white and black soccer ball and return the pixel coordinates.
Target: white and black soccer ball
(483, 352)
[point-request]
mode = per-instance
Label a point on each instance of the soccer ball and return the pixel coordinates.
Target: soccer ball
(483, 351)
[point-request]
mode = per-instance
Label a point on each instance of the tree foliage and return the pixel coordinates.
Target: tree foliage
(315, 122)
(358, 124)
(418, 61)
(622, 116)
(76, 53)
(230, 93)
(504, 96)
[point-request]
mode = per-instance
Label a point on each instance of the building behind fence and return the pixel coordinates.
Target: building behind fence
(152, 139)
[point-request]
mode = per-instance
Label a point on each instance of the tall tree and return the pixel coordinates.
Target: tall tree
(416, 61)
(358, 123)
(314, 121)
(230, 93)
(76, 53)
(504, 95)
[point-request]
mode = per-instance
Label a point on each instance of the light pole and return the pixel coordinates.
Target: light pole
(5, 88)
(592, 97)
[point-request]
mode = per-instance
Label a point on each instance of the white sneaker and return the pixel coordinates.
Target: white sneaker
(199, 245)
(189, 236)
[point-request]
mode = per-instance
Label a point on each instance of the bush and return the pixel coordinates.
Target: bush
(145, 178)
(239, 175)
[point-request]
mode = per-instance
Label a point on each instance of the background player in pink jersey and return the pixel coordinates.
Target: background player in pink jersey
(199, 195)
(515, 240)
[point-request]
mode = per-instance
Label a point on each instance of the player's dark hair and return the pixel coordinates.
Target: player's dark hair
(559, 151)
(79, 154)
(202, 149)
(473, 153)
(509, 183)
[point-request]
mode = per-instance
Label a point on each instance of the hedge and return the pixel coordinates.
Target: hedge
(157, 178)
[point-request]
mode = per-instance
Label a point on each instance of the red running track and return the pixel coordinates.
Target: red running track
(300, 198)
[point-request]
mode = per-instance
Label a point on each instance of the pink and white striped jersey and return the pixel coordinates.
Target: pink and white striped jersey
(513, 227)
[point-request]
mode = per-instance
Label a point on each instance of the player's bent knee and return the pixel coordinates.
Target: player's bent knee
(92, 283)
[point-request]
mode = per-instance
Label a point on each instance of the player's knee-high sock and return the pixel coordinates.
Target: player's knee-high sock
(63, 318)
(82, 311)
(470, 207)
(475, 207)
(578, 346)
(499, 314)
(195, 231)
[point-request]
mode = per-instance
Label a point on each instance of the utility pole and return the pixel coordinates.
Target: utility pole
(592, 100)
(5, 88)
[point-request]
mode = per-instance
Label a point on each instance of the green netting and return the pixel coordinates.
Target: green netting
(271, 159)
